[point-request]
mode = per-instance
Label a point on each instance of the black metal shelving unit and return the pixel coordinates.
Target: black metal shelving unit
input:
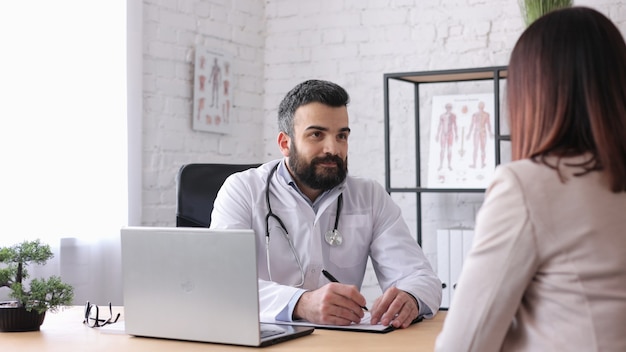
(417, 79)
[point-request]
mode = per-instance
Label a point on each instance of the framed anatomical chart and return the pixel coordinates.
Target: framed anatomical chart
(212, 98)
(461, 152)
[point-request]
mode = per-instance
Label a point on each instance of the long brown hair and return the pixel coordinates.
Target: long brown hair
(566, 91)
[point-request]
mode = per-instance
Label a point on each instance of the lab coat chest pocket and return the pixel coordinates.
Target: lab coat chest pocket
(356, 231)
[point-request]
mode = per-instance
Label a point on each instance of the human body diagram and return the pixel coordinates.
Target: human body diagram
(212, 92)
(460, 154)
(479, 129)
(447, 134)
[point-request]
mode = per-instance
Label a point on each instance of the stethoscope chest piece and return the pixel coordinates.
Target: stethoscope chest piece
(333, 238)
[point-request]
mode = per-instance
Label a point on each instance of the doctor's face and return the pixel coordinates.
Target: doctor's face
(318, 151)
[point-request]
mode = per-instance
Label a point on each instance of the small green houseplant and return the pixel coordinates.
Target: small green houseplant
(31, 299)
(533, 9)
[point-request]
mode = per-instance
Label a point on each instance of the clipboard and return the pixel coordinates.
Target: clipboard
(363, 326)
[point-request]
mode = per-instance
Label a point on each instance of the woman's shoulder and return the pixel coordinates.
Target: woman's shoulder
(546, 169)
(523, 166)
(549, 176)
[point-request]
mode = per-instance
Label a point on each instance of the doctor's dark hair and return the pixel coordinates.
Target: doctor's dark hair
(565, 92)
(311, 91)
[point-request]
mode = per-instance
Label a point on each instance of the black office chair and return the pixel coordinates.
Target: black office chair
(197, 186)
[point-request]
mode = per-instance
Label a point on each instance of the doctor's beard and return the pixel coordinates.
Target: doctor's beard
(307, 174)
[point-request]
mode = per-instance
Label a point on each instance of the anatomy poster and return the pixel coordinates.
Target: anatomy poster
(212, 98)
(462, 149)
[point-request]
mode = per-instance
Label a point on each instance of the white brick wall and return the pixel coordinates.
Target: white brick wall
(276, 44)
(172, 30)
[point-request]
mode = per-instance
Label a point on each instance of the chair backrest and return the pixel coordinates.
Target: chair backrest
(197, 187)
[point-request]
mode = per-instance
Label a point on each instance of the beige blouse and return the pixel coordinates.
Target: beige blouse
(547, 270)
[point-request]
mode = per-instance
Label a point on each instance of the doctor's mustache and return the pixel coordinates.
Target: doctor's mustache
(331, 158)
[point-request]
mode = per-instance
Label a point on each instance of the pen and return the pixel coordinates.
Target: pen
(331, 278)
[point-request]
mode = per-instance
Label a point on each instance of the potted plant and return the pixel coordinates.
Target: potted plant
(31, 300)
(533, 9)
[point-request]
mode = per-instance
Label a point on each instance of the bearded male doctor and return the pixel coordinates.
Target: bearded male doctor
(310, 216)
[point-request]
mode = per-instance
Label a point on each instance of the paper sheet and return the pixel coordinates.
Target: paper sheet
(364, 325)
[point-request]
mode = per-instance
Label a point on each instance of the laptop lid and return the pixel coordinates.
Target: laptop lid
(194, 284)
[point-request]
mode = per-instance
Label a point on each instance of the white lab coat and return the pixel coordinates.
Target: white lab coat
(370, 223)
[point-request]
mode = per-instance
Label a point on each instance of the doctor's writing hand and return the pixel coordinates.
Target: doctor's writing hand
(395, 307)
(333, 303)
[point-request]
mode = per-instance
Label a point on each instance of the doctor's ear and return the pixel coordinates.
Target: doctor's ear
(284, 143)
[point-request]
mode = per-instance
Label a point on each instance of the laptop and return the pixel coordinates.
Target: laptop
(195, 284)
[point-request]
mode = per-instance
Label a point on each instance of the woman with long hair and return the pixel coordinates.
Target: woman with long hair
(547, 270)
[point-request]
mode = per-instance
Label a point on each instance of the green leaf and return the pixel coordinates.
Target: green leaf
(533, 9)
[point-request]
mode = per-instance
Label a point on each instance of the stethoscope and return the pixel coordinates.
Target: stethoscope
(332, 237)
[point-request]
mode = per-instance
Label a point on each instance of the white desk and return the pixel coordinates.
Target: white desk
(64, 331)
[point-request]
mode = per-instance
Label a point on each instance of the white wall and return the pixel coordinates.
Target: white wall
(171, 31)
(279, 43)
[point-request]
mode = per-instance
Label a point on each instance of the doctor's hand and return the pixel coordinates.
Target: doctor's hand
(395, 307)
(331, 304)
